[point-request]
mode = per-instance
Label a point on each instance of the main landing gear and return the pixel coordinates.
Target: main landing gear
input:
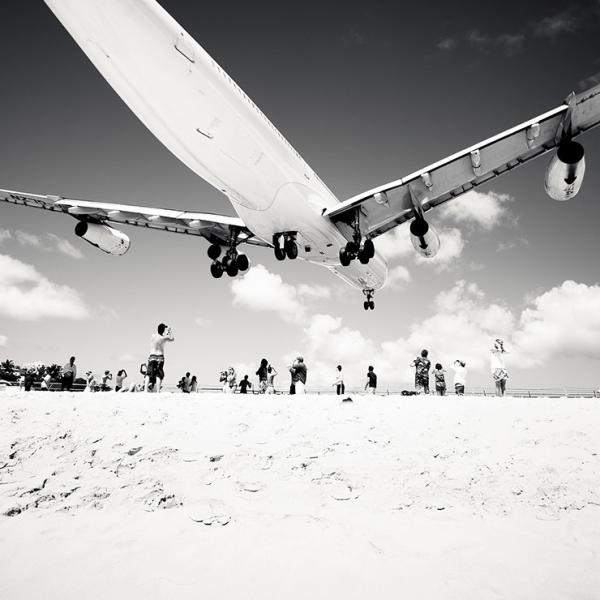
(357, 248)
(232, 263)
(369, 303)
(285, 246)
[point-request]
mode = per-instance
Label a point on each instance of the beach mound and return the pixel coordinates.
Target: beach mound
(219, 496)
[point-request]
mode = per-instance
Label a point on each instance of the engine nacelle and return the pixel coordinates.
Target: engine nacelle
(109, 240)
(564, 175)
(424, 237)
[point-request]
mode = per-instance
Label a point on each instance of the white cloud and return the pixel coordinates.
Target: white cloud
(511, 244)
(447, 44)
(51, 243)
(478, 210)
(5, 235)
(27, 295)
(261, 290)
(398, 276)
(555, 25)
(564, 321)
(63, 246)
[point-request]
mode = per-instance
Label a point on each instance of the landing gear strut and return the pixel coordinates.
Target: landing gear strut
(357, 248)
(285, 246)
(232, 263)
(369, 303)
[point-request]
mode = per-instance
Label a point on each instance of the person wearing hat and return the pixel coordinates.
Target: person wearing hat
(498, 366)
(298, 371)
(155, 371)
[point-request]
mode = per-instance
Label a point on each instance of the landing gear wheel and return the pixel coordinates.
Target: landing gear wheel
(345, 259)
(371, 305)
(279, 253)
(242, 262)
(291, 249)
(232, 269)
(352, 248)
(366, 305)
(369, 248)
(363, 257)
(216, 270)
(214, 251)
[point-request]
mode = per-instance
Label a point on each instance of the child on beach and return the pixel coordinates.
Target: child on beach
(440, 380)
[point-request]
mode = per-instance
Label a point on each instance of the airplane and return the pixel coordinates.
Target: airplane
(202, 116)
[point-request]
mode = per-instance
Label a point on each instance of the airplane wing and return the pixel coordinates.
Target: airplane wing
(390, 205)
(217, 229)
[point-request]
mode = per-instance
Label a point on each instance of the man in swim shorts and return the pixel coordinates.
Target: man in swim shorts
(155, 370)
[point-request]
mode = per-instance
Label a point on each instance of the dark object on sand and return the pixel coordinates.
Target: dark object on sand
(348, 399)
(408, 393)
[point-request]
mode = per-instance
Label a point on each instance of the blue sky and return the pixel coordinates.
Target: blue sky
(366, 95)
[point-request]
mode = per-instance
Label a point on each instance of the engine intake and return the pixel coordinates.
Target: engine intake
(564, 175)
(109, 240)
(424, 237)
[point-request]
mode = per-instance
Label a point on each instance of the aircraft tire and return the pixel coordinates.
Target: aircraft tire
(232, 269)
(291, 249)
(345, 260)
(216, 270)
(242, 262)
(214, 251)
(279, 253)
(371, 305)
(363, 257)
(369, 248)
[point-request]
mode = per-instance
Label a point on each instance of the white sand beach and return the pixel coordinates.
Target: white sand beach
(217, 496)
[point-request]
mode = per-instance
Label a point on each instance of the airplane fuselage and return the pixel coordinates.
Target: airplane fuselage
(200, 114)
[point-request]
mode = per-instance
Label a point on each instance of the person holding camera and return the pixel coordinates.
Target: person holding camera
(155, 370)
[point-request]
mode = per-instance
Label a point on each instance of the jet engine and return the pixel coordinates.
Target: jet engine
(424, 237)
(104, 237)
(564, 175)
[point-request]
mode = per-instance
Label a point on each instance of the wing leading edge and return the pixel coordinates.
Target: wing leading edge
(217, 229)
(389, 205)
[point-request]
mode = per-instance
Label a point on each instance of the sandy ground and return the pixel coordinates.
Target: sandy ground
(214, 496)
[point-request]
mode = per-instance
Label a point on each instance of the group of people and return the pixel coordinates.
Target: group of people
(154, 374)
(422, 365)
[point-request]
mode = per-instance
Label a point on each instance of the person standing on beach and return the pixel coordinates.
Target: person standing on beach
(155, 371)
(120, 377)
(245, 384)
(460, 377)
(498, 367)
(298, 371)
(262, 376)
(440, 380)
(340, 388)
(69, 373)
(271, 372)
(422, 365)
(371, 384)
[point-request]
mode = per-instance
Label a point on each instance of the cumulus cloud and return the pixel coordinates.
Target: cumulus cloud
(261, 290)
(49, 243)
(27, 295)
(479, 210)
(5, 235)
(509, 44)
(398, 276)
(564, 321)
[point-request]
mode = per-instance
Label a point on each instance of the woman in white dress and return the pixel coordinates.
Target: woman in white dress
(498, 367)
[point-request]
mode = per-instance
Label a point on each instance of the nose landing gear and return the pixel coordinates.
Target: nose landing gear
(285, 246)
(369, 303)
